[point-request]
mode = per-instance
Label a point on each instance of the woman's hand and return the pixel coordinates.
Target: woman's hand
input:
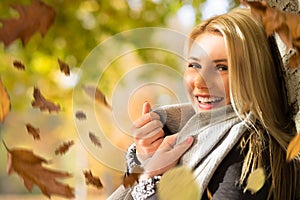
(166, 156)
(148, 133)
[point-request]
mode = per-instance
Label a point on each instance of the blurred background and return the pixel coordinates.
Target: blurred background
(129, 80)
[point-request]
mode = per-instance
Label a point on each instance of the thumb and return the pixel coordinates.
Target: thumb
(146, 108)
(183, 147)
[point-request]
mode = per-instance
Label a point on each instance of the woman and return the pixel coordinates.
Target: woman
(239, 120)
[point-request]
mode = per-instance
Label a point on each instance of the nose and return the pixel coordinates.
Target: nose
(203, 79)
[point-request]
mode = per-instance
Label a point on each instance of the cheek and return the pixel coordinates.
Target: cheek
(188, 80)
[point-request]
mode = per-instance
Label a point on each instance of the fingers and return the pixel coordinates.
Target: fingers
(146, 108)
(181, 148)
(144, 119)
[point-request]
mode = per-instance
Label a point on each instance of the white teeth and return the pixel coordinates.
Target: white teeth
(209, 99)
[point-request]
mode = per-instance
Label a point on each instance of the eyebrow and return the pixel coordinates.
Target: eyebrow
(215, 61)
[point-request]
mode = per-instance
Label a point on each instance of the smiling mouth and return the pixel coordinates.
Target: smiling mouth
(209, 100)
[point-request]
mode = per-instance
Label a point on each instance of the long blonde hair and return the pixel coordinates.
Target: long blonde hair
(256, 86)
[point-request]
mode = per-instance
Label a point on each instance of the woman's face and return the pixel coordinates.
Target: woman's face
(206, 74)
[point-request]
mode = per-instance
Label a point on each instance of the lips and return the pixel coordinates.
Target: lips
(208, 102)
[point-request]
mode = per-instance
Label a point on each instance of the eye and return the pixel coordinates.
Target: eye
(194, 65)
(221, 67)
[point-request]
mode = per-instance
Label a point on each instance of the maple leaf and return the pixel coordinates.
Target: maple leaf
(287, 25)
(4, 102)
(80, 115)
(30, 169)
(64, 67)
(129, 179)
(90, 179)
(293, 148)
(62, 149)
(94, 92)
(95, 139)
(37, 17)
(19, 65)
(35, 132)
(42, 103)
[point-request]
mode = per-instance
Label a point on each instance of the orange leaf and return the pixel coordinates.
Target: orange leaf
(90, 179)
(95, 139)
(18, 65)
(42, 103)
(94, 92)
(35, 132)
(37, 17)
(30, 169)
(293, 148)
(130, 178)
(62, 149)
(4, 102)
(64, 67)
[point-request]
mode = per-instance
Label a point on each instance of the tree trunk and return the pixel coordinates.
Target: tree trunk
(291, 6)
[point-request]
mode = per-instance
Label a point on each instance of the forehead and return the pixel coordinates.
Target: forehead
(208, 46)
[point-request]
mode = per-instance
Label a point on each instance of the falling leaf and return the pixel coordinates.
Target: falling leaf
(94, 92)
(37, 17)
(287, 25)
(62, 149)
(64, 67)
(131, 178)
(92, 180)
(256, 180)
(80, 115)
(35, 132)
(30, 169)
(42, 103)
(18, 65)
(293, 148)
(4, 102)
(95, 139)
(174, 180)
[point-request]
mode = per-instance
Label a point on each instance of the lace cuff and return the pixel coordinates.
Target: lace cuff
(131, 159)
(145, 188)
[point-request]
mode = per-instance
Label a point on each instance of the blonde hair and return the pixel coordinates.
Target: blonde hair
(256, 86)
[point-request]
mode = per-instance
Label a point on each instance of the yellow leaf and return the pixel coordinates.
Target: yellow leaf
(293, 148)
(4, 102)
(178, 183)
(256, 180)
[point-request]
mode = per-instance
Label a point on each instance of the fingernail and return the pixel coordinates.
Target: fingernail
(189, 140)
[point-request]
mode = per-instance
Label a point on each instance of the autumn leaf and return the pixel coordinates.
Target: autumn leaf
(95, 93)
(30, 169)
(37, 17)
(256, 180)
(4, 102)
(293, 148)
(131, 178)
(18, 65)
(35, 132)
(42, 103)
(64, 67)
(63, 148)
(178, 183)
(80, 115)
(287, 25)
(95, 139)
(92, 180)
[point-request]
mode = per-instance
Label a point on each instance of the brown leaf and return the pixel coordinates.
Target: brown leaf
(64, 67)
(4, 102)
(30, 169)
(37, 17)
(80, 115)
(287, 25)
(42, 103)
(95, 139)
(18, 65)
(35, 132)
(62, 149)
(94, 92)
(293, 148)
(92, 180)
(129, 179)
